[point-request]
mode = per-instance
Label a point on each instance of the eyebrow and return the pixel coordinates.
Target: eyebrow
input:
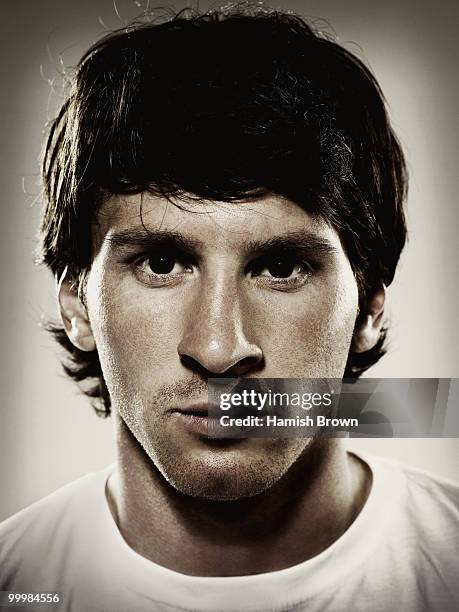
(139, 238)
(301, 240)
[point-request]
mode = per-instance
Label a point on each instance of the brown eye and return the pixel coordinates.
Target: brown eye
(282, 267)
(281, 271)
(161, 264)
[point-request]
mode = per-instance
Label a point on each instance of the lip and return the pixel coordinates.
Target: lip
(200, 409)
(195, 417)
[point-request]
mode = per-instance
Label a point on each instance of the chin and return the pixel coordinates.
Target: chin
(226, 473)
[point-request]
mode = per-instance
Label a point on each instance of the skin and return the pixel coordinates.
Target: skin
(179, 498)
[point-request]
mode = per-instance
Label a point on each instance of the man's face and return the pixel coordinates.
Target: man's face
(177, 295)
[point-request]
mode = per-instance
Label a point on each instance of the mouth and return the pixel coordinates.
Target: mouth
(198, 410)
(196, 418)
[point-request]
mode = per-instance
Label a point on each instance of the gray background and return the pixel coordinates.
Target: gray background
(48, 433)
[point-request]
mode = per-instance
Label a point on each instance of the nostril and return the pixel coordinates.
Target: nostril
(193, 364)
(243, 366)
(248, 364)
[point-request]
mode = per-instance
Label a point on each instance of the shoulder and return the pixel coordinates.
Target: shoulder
(441, 491)
(59, 504)
(49, 525)
(424, 506)
(417, 481)
(433, 504)
(427, 492)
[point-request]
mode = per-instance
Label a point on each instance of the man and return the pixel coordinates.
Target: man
(224, 199)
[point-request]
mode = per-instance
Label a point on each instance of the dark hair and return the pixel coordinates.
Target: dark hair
(227, 105)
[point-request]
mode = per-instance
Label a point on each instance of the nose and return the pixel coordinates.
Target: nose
(215, 336)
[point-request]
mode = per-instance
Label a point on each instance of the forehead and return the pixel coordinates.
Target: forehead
(211, 224)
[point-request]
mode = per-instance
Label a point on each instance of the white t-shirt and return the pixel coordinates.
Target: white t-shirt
(400, 554)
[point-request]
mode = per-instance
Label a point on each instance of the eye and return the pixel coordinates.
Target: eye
(282, 271)
(161, 268)
(163, 264)
(281, 267)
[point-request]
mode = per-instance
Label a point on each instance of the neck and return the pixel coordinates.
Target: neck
(303, 514)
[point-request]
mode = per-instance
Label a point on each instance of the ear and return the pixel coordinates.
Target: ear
(74, 315)
(368, 329)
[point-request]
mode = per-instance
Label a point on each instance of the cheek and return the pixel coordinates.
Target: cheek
(310, 334)
(135, 336)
